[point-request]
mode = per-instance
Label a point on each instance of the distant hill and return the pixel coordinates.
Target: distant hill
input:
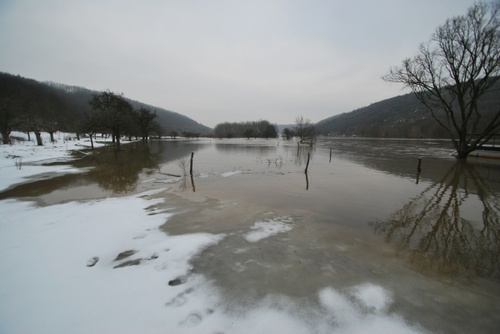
(398, 117)
(71, 102)
(169, 120)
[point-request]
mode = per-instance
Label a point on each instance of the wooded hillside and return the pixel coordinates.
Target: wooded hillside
(62, 106)
(399, 117)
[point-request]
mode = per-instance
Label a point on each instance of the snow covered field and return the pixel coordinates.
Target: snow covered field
(104, 266)
(24, 159)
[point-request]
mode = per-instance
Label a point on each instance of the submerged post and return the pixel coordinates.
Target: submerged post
(191, 164)
(192, 183)
(419, 169)
(307, 165)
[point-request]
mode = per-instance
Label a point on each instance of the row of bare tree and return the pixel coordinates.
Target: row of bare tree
(112, 114)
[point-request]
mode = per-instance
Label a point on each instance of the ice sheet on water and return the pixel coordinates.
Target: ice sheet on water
(266, 229)
(363, 310)
(227, 174)
(373, 296)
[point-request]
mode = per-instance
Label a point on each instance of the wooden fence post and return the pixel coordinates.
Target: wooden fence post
(191, 164)
(307, 165)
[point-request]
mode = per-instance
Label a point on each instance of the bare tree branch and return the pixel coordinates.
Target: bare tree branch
(453, 71)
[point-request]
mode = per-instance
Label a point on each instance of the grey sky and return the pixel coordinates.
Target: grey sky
(222, 60)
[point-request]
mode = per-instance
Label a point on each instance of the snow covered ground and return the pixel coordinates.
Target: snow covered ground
(24, 159)
(104, 266)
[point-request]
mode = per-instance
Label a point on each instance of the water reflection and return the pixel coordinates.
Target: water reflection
(303, 153)
(397, 157)
(183, 186)
(110, 172)
(261, 147)
(451, 228)
(118, 172)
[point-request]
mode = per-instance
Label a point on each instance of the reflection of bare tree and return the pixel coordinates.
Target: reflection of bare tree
(301, 156)
(183, 186)
(119, 171)
(452, 227)
(183, 165)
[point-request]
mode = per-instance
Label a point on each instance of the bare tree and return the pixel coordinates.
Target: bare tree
(451, 73)
(304, 129)
(90, 125)
(114, 113)
(287, 133)
(7, 120)
(145, 119)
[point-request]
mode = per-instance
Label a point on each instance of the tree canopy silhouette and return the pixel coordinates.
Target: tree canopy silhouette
(453, 71)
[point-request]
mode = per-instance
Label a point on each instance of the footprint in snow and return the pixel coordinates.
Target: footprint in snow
(191, 320)
(177, 301)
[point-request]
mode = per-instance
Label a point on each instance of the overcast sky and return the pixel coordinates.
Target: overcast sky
(222, 60)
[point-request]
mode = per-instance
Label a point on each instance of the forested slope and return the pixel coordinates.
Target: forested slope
(63, 106)
(398, 117)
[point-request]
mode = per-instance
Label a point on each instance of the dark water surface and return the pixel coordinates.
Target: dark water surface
(361, 214)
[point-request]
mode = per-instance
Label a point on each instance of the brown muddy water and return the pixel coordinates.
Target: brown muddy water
(361, 214)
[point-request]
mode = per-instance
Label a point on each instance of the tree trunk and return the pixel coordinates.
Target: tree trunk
(38, 136)
(6, 137)
(461, 155)
(462, 148)
(51, 133)
(117, 142)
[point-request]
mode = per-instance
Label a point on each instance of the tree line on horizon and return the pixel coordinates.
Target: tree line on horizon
(250, 129)
(303, 129)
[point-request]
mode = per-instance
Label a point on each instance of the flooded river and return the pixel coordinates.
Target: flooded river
(362, 214)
